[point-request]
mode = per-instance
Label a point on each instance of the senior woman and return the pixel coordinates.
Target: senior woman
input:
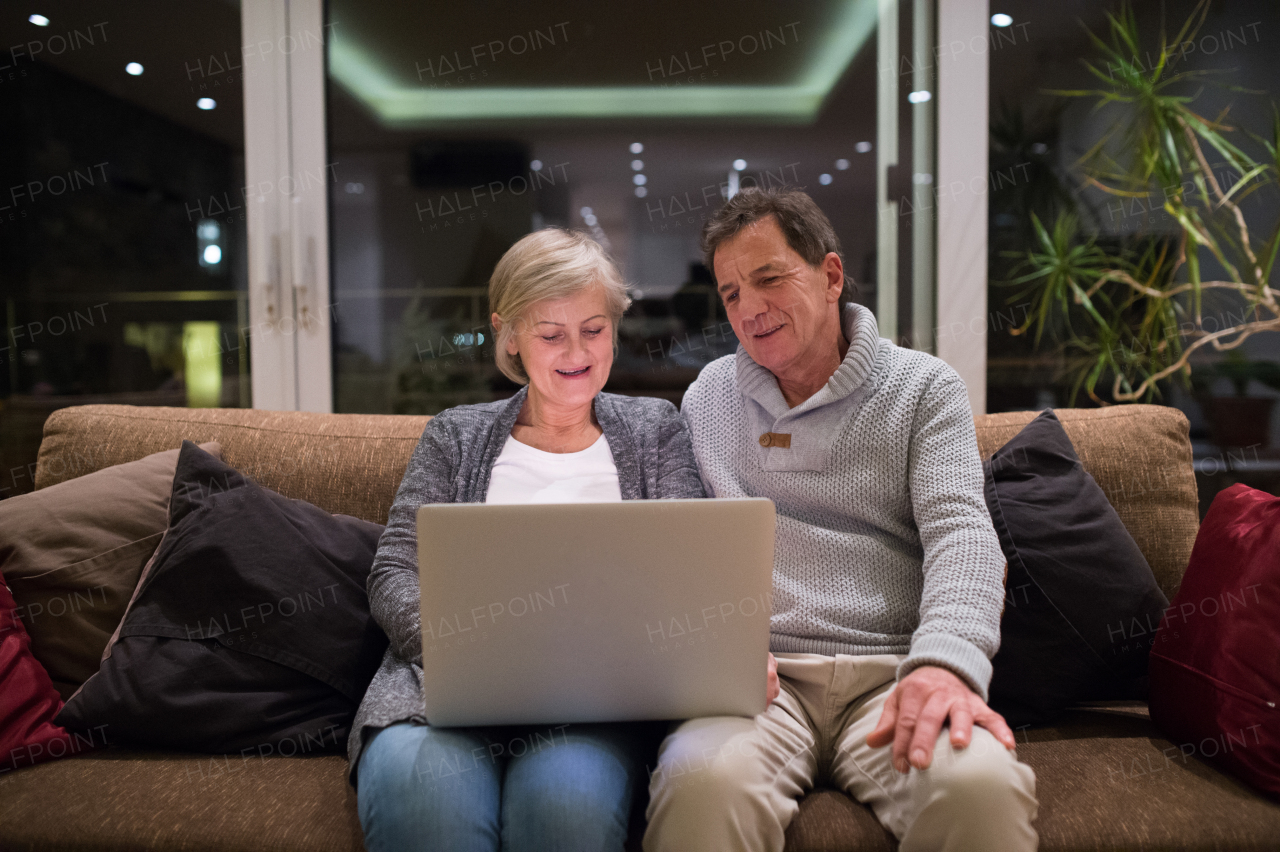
(556, 300)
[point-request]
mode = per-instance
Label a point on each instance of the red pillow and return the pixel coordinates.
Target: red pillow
(28, 701)
(1215, 662)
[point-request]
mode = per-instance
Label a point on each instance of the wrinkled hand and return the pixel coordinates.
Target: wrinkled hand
(920, 705)
(772, 688)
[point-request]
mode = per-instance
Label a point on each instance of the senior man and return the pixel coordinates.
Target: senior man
(888, 576)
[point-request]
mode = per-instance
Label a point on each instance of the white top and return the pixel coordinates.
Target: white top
(524, 474)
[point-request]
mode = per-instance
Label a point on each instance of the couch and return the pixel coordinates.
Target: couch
(1106, 777)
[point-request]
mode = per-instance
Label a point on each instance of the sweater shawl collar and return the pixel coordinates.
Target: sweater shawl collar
(814, 423)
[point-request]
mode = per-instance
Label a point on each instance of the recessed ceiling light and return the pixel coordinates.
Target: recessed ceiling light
(590, 220)
(536, 165)
(862, 147)
(206, 103)
(637, 165)
(639, 180)
(842, 164)
(39, 20)
(824, 179)
(1000, 19)
(585, 212)
(133, 68)
(637, 148)
(920, 97)
(1039, 148)
(739, 164)
(641, 192)
(212, 255)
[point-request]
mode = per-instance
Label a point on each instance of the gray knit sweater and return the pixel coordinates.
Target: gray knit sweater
(884, 542)
(452, 464)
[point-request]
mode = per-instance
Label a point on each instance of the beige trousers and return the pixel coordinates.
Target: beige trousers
(733, 783)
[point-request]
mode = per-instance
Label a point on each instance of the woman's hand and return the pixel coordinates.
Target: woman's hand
(772, 688)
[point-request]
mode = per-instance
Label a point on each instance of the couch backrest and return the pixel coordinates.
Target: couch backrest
(353, 463)
(348, 464)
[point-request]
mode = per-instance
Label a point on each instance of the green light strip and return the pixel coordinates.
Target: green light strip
(404, 107)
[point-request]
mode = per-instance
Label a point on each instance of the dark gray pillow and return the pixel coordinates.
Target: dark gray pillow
(250, 633)
(1081, 603)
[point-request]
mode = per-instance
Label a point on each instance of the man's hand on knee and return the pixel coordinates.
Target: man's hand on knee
(920, 704)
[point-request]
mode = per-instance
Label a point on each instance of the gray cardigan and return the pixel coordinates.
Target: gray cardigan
(451, 464)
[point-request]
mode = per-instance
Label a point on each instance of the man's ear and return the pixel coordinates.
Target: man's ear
(833, 269)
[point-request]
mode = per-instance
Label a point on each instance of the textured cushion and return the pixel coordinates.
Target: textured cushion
(1215, 665)
(252, 630)
(1106, 779)
(1140, 455)
(347, 464)
(1077, 584)
(28, 701)
(72, 555)
(128, 800)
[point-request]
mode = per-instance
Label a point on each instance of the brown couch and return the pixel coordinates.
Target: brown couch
(1106, 778)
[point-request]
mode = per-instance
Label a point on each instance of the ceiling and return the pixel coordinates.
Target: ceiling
(188, 51)
(413, 66)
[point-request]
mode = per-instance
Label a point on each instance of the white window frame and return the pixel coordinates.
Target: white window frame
(962, 181)
(287, 180)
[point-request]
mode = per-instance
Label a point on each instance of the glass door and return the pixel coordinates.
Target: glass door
(453, 131)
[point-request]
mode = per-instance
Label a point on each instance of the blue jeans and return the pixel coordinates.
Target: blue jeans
(543, 788)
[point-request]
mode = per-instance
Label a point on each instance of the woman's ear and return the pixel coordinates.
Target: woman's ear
(512, 348)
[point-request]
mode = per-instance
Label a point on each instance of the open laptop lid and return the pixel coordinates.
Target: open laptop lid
(577, 612)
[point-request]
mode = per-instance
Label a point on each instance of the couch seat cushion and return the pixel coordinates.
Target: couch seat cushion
(1106, 779)
(121, 799)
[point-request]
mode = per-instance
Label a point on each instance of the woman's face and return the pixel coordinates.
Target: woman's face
(566, 346)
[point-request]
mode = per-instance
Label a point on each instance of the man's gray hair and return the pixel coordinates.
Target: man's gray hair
(806, 228)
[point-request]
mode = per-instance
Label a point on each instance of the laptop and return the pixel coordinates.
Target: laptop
(595, 612)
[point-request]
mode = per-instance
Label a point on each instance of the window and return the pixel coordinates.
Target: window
(122, 214)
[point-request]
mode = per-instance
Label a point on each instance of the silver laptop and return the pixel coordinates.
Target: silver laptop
(594, 612)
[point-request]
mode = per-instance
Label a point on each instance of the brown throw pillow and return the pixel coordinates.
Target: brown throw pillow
(72, 554)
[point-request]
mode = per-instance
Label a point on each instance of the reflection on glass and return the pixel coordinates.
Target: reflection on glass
(122, 225)
(466, 130)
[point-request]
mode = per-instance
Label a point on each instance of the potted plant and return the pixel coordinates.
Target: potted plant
(1240, 420)
(1128, 312)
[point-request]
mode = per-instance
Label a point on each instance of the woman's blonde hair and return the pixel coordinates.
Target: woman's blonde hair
(549, 264)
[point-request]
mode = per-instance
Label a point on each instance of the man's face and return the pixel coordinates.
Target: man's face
(782, 309)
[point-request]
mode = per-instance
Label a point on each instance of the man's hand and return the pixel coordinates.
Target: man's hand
(772, 688)
(920, 705)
